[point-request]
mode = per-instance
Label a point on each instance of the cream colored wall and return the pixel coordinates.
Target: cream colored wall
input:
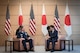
(74, 7)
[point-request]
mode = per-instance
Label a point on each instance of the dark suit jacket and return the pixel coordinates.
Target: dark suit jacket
(17, 31)
(53, 35)
(24, 35)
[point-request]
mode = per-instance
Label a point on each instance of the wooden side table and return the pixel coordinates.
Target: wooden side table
(70, 43)
(11, 42)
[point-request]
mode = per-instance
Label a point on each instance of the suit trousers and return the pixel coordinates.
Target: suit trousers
(53, 43)
(30, 43)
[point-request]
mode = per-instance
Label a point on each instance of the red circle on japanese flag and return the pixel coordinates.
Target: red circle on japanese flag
(67, 20)
(44, 21)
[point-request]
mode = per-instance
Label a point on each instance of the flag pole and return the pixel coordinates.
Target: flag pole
(56, 2)
(31, 2)
(9, 36)
(59, 32)
(20, 2)
(43, 1)
(8, 1)
(67, 1)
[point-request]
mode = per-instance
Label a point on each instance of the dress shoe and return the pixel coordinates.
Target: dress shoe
(26, 50)
(52, 50)
(47, 49)
(31, 49)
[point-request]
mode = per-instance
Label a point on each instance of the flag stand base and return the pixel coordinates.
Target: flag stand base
(9, 38)
(68, 38)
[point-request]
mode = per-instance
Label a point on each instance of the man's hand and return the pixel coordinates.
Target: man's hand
(21, 39)
(29, 38)
(47, 36)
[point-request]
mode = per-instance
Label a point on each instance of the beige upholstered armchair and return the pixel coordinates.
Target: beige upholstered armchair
(18, 46)
(58, 46)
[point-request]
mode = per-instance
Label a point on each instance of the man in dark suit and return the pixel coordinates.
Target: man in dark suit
(22, 34)
(53, 36)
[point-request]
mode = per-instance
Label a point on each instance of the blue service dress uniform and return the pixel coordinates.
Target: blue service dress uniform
(25, 36)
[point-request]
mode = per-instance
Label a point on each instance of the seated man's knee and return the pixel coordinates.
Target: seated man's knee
(23, 41)
(30, 40)
(47, 40)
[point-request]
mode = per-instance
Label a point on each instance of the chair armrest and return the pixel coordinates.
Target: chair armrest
(15, 38)
(47, 37)
(61, 37)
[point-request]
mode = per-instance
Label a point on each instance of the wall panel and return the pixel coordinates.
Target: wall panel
(74, 7)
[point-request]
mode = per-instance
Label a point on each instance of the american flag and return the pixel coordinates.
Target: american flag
(7, 22)
(56, 20)
(32, 25)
